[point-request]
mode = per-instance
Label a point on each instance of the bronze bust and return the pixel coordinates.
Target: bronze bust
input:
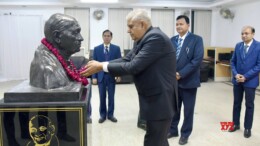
(51, 67)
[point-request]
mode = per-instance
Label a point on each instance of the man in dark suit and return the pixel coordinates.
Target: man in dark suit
(245, 65)
(106, 82)
(152, 64)
(189, 55)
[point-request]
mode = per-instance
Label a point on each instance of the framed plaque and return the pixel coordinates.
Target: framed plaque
(52, 124)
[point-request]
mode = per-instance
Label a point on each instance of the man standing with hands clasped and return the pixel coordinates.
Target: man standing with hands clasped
(106, 82)
(189, 55)
(152, 64)
(245, 65)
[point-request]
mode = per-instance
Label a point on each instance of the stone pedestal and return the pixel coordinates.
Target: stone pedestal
(25, 108)
(26, 93)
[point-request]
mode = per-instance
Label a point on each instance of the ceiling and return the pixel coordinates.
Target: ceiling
(194, 4)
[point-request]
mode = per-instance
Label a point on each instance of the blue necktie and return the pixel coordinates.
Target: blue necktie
(106, 53)
(245, 50)
(178, 50)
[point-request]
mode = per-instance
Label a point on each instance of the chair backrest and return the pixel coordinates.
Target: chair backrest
(79, 61)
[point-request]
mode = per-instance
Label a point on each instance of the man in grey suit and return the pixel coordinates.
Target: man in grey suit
(152, 63)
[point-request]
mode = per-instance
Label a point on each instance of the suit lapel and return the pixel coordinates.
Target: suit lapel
(184, 45)
(175, 41)
(186, 42)
(250, 49)
(101, 52)
(111, 50)
(241, 51)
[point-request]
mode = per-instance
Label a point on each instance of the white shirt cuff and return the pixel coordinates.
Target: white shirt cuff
(105, 64)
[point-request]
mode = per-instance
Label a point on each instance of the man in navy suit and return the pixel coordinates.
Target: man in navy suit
(152, 63)
(245, 65)
(189, 55)
(106, 82)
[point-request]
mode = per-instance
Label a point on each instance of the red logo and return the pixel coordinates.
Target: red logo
(225, 126)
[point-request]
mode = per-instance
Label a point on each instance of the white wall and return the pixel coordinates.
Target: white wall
(46, 13)
(97, 27)
(21, 33)
(226, 33)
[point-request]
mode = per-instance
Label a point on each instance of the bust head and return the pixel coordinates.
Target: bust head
(63, 32)
(51, 67)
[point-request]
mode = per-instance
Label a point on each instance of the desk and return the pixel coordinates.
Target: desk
(223, 63)
(224, 70)
(226, 64)
(208, 59)
(221, 68)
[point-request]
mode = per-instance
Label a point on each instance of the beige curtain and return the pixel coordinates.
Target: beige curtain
(82, 16)
(165, 19)
(202, 25)
(118, 25)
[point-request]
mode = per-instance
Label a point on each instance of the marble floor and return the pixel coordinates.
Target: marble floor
(213, 105)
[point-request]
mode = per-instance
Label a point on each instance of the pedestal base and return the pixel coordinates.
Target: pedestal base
(20, 123)
(30, 115)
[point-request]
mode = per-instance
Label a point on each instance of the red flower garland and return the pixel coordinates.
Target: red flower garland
(73, 72)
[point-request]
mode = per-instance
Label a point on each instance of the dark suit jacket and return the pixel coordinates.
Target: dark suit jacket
(248, 66)
(152, 63)
(188, 63)
(98, 55)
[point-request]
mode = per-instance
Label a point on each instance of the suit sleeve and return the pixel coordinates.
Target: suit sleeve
(126, 58)
(148, 54)
(234, 61)
(195, 62)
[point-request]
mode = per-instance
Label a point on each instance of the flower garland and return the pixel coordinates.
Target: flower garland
(73, 72)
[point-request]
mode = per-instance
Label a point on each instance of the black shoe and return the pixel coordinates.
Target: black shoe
(89, 120)
(234, 128)
(170, 135)
(142, 126)
(101, 120)
(183, 141)
(113, 119)
(66, 137)
(247, 133)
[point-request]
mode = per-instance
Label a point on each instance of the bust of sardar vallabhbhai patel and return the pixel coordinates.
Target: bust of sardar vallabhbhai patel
(51, 67)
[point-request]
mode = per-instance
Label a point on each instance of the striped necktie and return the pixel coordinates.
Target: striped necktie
(106, 53)
(178, 50)
(245, 50)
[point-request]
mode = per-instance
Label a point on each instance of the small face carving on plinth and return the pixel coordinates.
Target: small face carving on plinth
(42, 131)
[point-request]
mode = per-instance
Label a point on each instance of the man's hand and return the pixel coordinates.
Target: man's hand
(94, 81)
(240, 78)
(118, 79)
(91, 68)
(178, 76)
